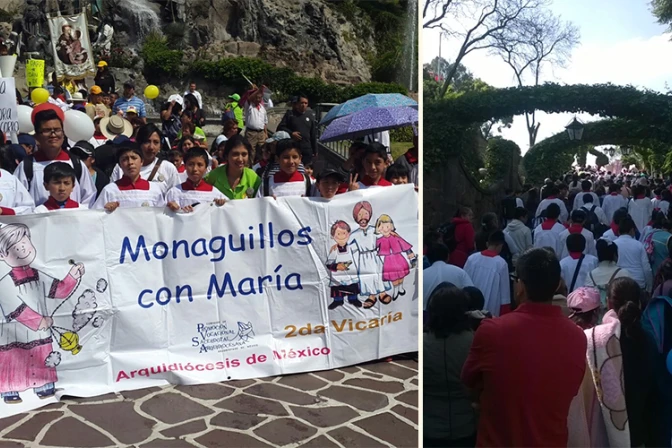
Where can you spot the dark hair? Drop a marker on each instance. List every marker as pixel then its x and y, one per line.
pixel 44 116
pixel 184 139
pixel 553 211
pixel 666 195
pixel 587 198
pixel 657 219
pixel 576 242
pixel 626 225
pixel 585 185
pixel 624 297
pixel 614 188
pixel 539 270
pixel 377 149
pixel 235 142
pixel 57 171
pixel 606 251
pixel 128 147
pixel 437 252
pixel 145 132
pixel 447 310
pixel 228 125
pixel 489 221
pixel 496 238
pixel 579 216
pixel 620 214
pixel 196 152
pixel 175 154
pixel 638 190
pixel 520 213
pixel 476 299
pixel 396 170
pixel 9 154
pixel 462 211
pixel 287 145
pixel 191 98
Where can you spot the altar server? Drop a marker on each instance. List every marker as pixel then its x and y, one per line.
pixel 14 198
pixel 131 190
pixel 552 199
pixel 576 266
pixel 576 227
pixel 194 190
pixel 547 234
pixel 490 273
pixel 59 181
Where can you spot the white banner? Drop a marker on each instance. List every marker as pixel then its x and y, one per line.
pixel 94 303
pixel 73 57
pixel 9 119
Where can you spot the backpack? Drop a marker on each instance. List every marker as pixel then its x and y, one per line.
pixel 448 233
pixel 509 206
pixel 28 167
pixel 593 224
pixel 267 185
pixel 229 113
pixel 603 290
pixel 657 322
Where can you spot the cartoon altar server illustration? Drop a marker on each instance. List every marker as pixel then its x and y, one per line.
pixel 392 248
pixel 340 262
pixel 25 334
pixel 369 264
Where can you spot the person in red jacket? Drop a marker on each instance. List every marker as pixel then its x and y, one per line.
pixel 464 237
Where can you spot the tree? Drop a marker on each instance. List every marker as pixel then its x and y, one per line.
pixel 439 66
pixel 535 40
pixel 662 9
pixel 488 18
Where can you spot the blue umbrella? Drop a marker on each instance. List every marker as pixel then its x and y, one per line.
pixel 367 101
pixel 369 121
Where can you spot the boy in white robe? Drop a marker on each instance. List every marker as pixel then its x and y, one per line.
pixel 547 234
pixel 131 190
pixel 194 190
pixel 640 208
pixel 576 227
pixel 59 181
pixel 341 265
pixel 490 273
pixel 576 266
pixel 613 201
pixel 586 185
pixel 14 198
pixel 552 199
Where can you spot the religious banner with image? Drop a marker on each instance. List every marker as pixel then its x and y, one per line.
pixel 73 57
pixel 95 302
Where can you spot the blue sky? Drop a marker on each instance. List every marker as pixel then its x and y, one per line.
pixel 621 43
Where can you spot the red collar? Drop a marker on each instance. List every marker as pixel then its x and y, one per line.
pixel 281 177
pixel 366 180
pixel 614 228
pixel 548 224
pixel 23 274
pixel 127 184
pixel 575 228
pixel 62 156
pixel 551 197
pixel 410 158
pixel 575 255
pixel 263 163
pixel 182 169
pixel 640 196
pixel 202 186
pixel 489 253
pixel 52 204
pixel 614 194
pixel 659 198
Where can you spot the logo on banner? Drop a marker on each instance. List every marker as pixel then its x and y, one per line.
pixel 218 337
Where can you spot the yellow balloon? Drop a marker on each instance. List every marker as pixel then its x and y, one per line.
pixel 151 92
pixel 39 95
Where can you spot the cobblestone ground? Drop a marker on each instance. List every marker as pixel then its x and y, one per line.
pixel 370 405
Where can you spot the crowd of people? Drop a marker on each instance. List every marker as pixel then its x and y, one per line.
pixel 131 163
pixel 552 324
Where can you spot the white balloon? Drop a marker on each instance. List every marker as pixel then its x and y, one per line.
pixel 25 121
pixel 78 126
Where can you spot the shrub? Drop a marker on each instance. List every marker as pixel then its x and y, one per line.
pixel 159 59
pixel 402 134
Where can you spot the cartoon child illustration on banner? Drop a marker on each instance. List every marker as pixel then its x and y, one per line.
pixel 369 264
pixel 26 357
pixel 344 279
pixel 391 248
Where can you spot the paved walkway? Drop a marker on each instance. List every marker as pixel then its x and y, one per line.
pixel 370 405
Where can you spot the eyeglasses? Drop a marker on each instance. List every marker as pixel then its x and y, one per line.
pixel 54 131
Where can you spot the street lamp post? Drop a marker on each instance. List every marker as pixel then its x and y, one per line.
pixel 575 129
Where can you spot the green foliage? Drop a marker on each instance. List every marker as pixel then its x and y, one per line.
pixel 283 81
pixel 402 134
pixel 121 57
pixel 500 157
pixel 159 59
pixel 662 9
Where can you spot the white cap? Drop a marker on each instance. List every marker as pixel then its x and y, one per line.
pixel 177 98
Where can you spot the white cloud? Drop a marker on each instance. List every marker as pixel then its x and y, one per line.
pixel 638 62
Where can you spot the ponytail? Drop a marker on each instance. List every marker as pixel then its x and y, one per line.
pixel 630 316
pixel 624 297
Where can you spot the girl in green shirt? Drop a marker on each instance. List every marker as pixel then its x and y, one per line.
pixel 234 178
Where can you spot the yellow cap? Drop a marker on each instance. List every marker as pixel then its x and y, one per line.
pixel 102 64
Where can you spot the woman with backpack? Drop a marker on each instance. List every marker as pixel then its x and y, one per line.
pixel 606 271
pixel 460 237
pixel 658 240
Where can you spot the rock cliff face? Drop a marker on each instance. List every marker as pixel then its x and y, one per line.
pixel 305 35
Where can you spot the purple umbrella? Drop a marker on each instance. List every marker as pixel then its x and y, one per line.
pixel 369 121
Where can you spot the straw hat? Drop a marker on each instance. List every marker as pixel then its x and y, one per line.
pixel 114 126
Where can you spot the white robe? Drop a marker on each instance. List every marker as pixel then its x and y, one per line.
pixel 42 209
pixel 543 205
pixel 190 197
pixel 640 210
pixel 14 195
pixel 568 267
pixel 491 276
pixel 612 203
pixel 549 238
pixel 343 278
pixel 578 199
pixel 166 176
pixel 438 273
pixel 590 243
pixel 369 264
pixel 131 198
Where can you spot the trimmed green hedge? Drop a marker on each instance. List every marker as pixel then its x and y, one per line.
pixel 499 157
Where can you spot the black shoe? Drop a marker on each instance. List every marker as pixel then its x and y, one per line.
pixel 356 303
pixel 335 304
pixel 402 292
pixel 13 399
pixel 46 393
